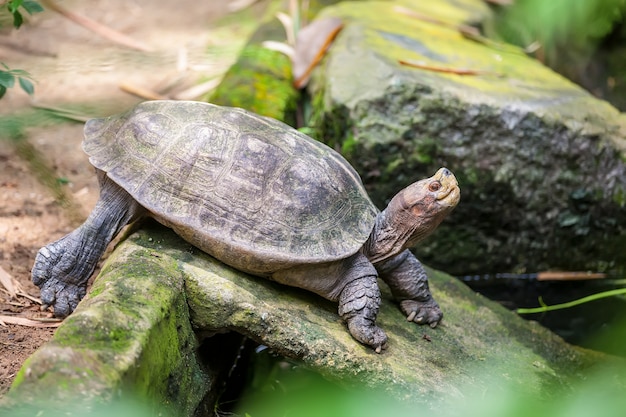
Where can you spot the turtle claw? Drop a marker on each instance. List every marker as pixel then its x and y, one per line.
pixel 368 333
pixel 62 296
pixel 380 348
pixel 63 283
pixel 422 312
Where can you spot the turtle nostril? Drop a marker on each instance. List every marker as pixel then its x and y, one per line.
pixel 446 172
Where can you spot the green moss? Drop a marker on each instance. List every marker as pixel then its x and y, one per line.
pixel 425 151
pixel 391 167
pixel 260 81
pixel 619 198
pixel 132 331
pixel 117 332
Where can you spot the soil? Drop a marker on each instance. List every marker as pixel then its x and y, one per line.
pixel 45 197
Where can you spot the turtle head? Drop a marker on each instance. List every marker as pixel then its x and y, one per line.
pixel 431 197
pixel 416 211
pixel 412 215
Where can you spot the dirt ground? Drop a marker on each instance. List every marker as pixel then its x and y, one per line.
pixel 188 41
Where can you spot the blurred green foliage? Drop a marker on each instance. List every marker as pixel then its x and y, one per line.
pixel 294 391
pixel 15 7
pixel 121 407
pixel 562 29
pixel 8 76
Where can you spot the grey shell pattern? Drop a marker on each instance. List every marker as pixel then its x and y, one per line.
pixel 240 186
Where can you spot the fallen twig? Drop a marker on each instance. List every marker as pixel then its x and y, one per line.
pixel 96 27
pixel 21 321
pixel 448 70
pixel 569 275
pixel 64 113
pixel 141 92
pixel 475 36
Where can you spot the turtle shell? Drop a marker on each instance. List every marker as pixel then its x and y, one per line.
pixel 249 190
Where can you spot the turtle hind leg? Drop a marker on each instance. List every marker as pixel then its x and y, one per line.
pixel 62 268
pixel 359 303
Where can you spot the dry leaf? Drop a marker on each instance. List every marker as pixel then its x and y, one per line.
pixel 7 282
pixel 311 44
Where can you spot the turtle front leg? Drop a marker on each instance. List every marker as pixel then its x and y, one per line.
pixel 62 268
pixel 359 303
pixel 407 279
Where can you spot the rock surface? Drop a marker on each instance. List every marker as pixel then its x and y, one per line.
pixel 130 337
pixel 540 162
pixel 133 331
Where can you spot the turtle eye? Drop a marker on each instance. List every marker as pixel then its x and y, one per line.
pixel 434 186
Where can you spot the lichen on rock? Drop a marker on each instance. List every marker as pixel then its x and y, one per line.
pixel 540 162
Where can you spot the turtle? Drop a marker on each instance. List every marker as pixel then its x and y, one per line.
pixel 259 196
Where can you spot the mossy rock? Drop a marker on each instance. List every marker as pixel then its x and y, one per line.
pixel 260 81
pixel 479 345
pixel 130 340
pixel 132 337
pixel 540 162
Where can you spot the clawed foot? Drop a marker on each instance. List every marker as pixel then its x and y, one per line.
pixel 62 284
pixel 422 312
pixel 62 296
pixel 366 332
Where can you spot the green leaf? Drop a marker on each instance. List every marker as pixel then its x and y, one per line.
pixel 27 86
pixel 20 73
pixel 3 90
pixel 17 19
pixel 32 6
pixel 7 80
pixel 13 5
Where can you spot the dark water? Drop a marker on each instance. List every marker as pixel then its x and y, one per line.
pixel 598 325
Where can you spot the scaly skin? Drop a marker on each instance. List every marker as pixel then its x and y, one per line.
pixel 359 303
pixel 62 268
pixel 408 282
